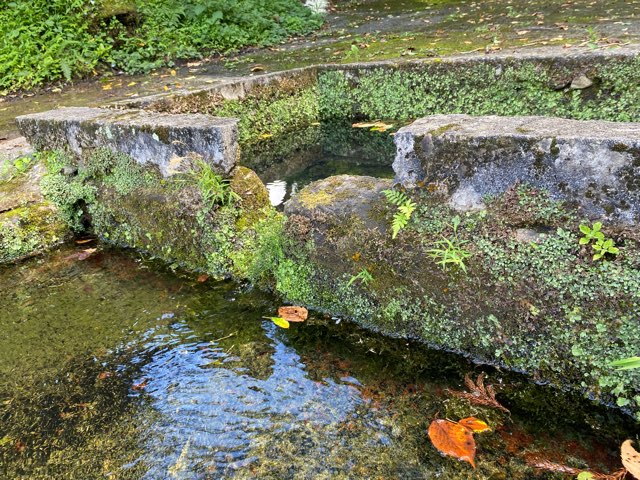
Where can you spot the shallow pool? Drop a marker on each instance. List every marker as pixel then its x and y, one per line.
pixel 111 367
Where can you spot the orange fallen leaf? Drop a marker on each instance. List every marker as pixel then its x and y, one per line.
pixel 453 439
pixel 475 425
pixel 630 459
pixel 293 314
pixel 203 278
pixel 104 375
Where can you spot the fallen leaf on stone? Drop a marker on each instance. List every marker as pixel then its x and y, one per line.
pixel 258 68
pixel 82 241
pixel 475 425
pixel 630 459
pixel 173 73
pixel 293 314
pixel 281 322
pixel 108 86
pixel 203 278
pixel 453 439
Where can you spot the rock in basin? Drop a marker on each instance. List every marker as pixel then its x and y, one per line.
pixel 593 164
pixel 154 138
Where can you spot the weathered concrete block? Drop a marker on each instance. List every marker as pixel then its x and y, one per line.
pixel 154 138
pixel 592 164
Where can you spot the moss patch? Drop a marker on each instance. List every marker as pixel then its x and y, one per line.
pixel 28 230
pixel 509 87
pixel 131 205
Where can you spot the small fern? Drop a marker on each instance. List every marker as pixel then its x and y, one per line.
pixel 406 207
pixel 395 197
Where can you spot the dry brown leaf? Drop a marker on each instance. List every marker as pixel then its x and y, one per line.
pixel 293 314
pixel 475 425
pixel 453 439
pixel 203 278
pixel 630 458
pixel 543 464
pixel 554 467
pixel 479 394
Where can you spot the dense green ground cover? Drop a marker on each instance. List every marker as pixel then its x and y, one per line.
pixel 47 40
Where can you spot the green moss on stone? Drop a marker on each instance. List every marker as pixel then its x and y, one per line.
pixel 31 229
pixel 516 87
pixel 545 308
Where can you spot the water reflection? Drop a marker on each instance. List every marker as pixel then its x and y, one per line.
pixel 213 408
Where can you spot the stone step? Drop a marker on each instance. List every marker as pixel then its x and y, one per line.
pixel 593 164
pixel 152 138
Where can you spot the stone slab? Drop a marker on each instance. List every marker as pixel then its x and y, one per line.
pixel 151 138
pixel 594 164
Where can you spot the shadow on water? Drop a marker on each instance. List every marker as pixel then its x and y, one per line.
pixel 110 367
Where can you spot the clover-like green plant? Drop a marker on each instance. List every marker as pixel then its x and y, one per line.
pixel 405 208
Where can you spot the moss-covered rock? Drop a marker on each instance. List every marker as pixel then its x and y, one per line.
pixel 173 219
pixel 29 224
pixel 546 308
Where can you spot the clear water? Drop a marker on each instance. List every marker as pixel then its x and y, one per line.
pixel 113 368
pixel 319 152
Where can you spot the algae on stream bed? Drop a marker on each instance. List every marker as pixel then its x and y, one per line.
pixel 110 367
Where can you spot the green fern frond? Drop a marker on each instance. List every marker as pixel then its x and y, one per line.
pixel 400 220
pixel 395 197
pixel 407 208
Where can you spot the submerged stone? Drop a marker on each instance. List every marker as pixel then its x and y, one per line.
pixel 159 139
pixel 594 164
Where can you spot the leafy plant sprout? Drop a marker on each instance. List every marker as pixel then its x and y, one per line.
pixel 602 245
pixel 214 189
pixel 626 363
pixel 405 206
pixel 451 251
pixel 363 276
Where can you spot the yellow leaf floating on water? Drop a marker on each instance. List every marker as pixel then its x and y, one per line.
pixel 281 322
pixel 475 425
